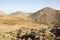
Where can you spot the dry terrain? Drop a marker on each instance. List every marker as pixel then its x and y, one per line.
pixel 47 17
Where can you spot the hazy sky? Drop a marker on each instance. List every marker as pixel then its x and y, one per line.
pixel 9 6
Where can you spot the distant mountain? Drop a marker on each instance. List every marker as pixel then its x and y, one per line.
pixel 20 14
pixel 46 16
pixel 2 13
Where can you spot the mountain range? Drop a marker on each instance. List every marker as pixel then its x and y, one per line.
pixel 40 19
pixel 47 16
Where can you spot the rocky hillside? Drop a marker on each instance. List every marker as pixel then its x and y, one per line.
pixel 46 16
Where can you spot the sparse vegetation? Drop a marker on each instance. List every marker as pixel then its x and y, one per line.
pixel 42 19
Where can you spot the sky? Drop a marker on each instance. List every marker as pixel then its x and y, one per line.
pixel 10 6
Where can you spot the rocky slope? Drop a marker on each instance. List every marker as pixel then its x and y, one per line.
pixel 46 16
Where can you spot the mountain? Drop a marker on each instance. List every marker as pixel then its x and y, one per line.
pixel 20 14
pixel 46 15
pixel 2 13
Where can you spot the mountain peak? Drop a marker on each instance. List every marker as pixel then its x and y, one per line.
pixel 45 15
pixel 48 8
pixel 17 12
